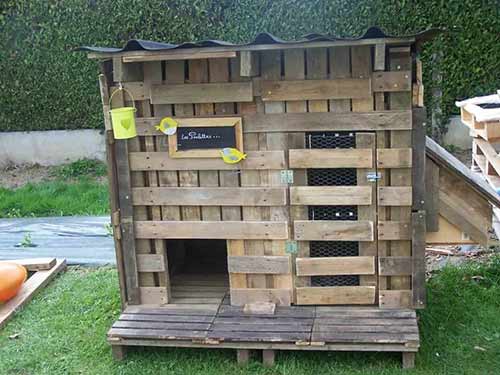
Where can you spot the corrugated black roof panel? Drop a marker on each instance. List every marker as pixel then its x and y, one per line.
pixel 260 39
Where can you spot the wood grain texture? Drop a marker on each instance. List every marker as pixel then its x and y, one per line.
pixel 202 93
pixel 331 158
pixel 394 157
pixel 259 264
pixel 212 229
pixel 333 230
pixel 336 295
pixel 394 230
pixel 331 195
pixel 394 266
pixel 281 297
pixel 395 195
pixel 319 266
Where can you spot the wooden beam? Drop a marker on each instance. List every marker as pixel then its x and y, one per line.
pixel 197 55
pixel 234 230
pixel 206 196
pixel 395 299
pixel 150 263
pixel 34 264
pixel 394 230
pixel 249 64
pixel 259 264
pixel 322 266
pixel 418 259
pixel 394 81
pixel 394 195
pixel 257 160
pixel 330 195
pixel 303 122
pixel 394 157
pixel 202 93
pixel 336 295
pixel 395 266
pixel 344 230
pixel 331 158
pixel 340 88
pixel 281 297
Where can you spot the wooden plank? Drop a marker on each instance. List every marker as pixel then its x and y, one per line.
pixel 126 225
pixel 367 212
pixel 448 234
pixel 356 265
pixel 330 195
pixel 394 266
pixel 153 295
pixel 395 195
pixel 37 281
pixel 34 264
pixel 317 69
pixel 394 158
pixel 209 196
pixel 361 68
pixel 431 195
pixel 340 67
pixel 202 93
pixel 331 158
pixel 342 230
pixel 212 229
pixel 394 230
pixel 341 88
pixel 336 295
pixel 393 299
pixel 302 122
pixel 363 337
pixel 162 325
pixel 379 61
pixel 418 158
pixel 418 259
pixel 198 55
pixel 395 81
pixel 281 297
pixel 150 263
pixel 259 264
pixel 257 160
pixel 249 64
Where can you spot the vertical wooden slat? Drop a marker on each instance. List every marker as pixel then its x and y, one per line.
pixel 271 70
pixel 400 59
pixel 418 259
pixel 340 67
pixel 418 156
pixel 295 70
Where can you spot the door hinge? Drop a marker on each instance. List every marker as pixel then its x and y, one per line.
pixel 291 247
pixel 373 176
pixel 287 176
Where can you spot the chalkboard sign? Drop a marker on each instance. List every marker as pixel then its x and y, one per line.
pixel 200 137
pixel 190 138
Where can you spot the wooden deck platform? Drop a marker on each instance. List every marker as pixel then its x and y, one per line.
pixel 289 328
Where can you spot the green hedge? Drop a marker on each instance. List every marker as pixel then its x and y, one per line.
pixel 43 85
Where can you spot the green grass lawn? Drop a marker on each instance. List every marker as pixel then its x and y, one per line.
pixel 63 332
pixel 73 189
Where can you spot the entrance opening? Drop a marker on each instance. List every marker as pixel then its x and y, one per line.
pixel 198 271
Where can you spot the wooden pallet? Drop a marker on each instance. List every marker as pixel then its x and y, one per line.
pixel 325 328
pixel 44 271
pixel 488 130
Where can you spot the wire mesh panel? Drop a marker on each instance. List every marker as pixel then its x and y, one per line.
pixel 332 177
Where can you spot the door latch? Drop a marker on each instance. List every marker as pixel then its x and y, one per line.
pixel 287 176
pixel 373 176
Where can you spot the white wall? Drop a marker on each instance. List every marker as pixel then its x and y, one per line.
pixel 458 134
pixel 51 147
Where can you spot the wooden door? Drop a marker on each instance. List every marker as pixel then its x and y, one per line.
pixel 337 247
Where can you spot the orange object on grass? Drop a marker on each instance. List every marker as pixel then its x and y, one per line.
pixel 12 277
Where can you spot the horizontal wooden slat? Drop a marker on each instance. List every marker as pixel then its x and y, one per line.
pixel 153 295
pixel 331 195
pixel 205 196
pixel 331 158
pixel 150 263
pixel 394 157
pixel 355 265
pixel 179 56
pixel 391 81
pixel 33 264
pixel 150 161
pixel 202 93
pixel 259 264
pixel 232 230
pixel 394 266
pixel 394 230
pixel 395 196
pixel 342 88
pixel 336 295
pixel 240 297
pixel 342 230
pixel 393 299
pixel 302 122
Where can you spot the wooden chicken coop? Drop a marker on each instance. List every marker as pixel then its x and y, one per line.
pixel 315 240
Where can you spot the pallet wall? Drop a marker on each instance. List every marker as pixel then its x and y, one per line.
pixel 283 95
